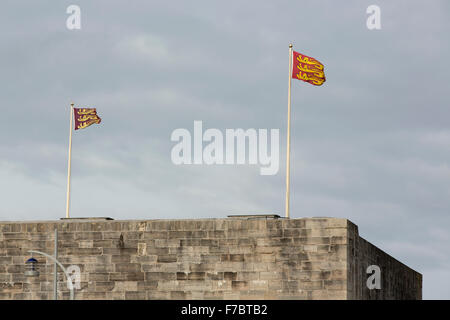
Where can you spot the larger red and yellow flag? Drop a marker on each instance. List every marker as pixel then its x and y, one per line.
pixel 307 69
pixel 84 117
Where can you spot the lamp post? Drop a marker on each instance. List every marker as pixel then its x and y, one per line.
pixel 33 272
pixel 36 273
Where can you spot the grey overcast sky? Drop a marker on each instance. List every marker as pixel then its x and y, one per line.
pixel 371 145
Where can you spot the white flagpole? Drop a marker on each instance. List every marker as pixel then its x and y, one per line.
pixel 288 144
pixel 70 160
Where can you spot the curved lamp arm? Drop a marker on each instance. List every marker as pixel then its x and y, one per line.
pixel 69 279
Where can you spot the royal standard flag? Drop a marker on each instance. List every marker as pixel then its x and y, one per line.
pixel 307 69
pixel 84 117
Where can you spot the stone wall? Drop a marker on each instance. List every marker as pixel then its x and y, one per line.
pixel 397 280
pixel 310 258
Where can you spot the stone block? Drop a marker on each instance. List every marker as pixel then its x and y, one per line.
pixel 15 268
pixel 160 267
pixel 212 295
pixel 125 286
pixel 157 251
pixel 275 285
pixel 170 285
pixel 134 235
pixel 216 234
pixel 230 266
pixel 182 275
pixel 127 267
pixel 111 235
pixel 290 285
pixel 239 285
pixel 335 284
pixel 196 275
pixel 271 275
pixel 73 251
pixel 167 243
pixel 311 285
pixel 104 243
pixel 115 295
pixel 265 249
pixel 157 276
pixel 118 276
pixel 158 295
pixel 147 259
pixel 167 258
pixel 121 259
pixel 98 276
pixel 338 240
pixel 179 295
pixel 252 294
pixel 241 249
pixel 19 277
pixel 328 295
pixel 191 258
pixel 22 296
pixel 293 223
pixel 18 236
pixel 93 295
pixel 6 295
pixel 338 223
pixel 150 235
pixel 99 268
pixel 247 276
pixel 135 295
pixel 86 243
pixel 337 232
pixel 20 243
pixel 104 285
pixel 338 275
pixel 208 258
pixel 316 223
pixel 231 295
pixel 261 266
pixel 6 260
pixel 230 275
pixel 192 285
pixel 296 233
pixel 258 285
pixel 5 277
pixel 147 285
pixel 215 275
pixel 88 236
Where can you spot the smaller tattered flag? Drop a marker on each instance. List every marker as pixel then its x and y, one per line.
pixel 84 117
pixel 307 69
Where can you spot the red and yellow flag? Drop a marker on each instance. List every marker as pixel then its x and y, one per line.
pixel 307 69
pixel 84 117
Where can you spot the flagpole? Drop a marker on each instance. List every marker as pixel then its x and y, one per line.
pixel 69 161
pixel 288 143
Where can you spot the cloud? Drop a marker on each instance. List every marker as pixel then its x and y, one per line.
pixel 148 47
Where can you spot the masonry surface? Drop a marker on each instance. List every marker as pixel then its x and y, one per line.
pixel 309 258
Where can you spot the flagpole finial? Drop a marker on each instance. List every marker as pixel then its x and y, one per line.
pixel 290 45
pixel 72 104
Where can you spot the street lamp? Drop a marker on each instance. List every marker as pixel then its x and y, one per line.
pixel 34 272
pixel 30 269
